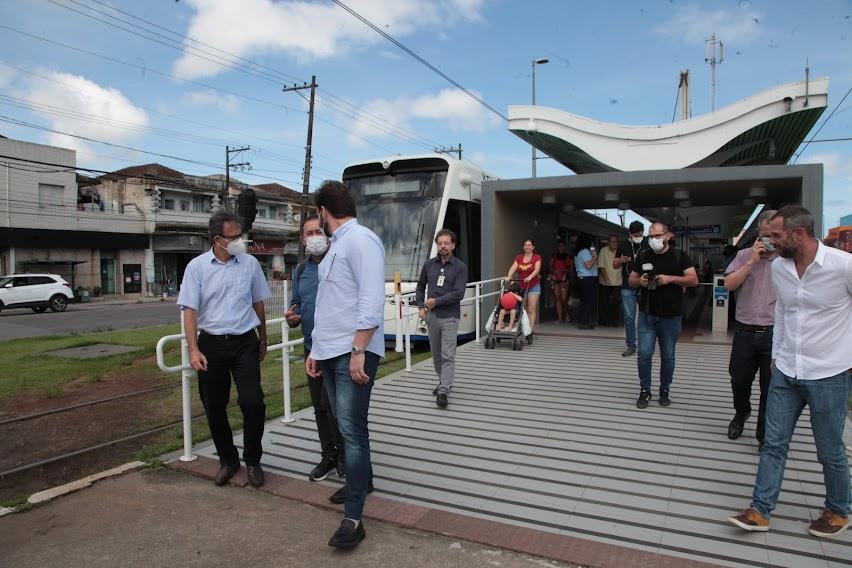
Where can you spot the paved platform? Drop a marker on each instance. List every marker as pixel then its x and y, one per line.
pixel 549 439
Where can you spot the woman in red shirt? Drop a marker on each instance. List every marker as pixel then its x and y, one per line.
pixel 528 267
pixel 561 264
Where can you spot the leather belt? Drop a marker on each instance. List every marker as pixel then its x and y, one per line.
pixel 227 336
pixel 755 328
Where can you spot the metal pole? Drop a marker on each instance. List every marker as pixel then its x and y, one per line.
pixel 477 308
pixel 185 378
pixel 285 362
pixel 227 174
pixel 533 104
pixel 397 297
pixel 407 338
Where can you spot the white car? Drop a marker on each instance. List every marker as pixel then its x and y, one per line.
pixel 36 291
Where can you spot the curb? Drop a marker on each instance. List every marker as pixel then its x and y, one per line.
pixel 54 492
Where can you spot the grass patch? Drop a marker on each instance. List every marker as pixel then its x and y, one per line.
pixel 24 365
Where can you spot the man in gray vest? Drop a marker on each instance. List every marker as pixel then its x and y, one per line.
pixel 443 279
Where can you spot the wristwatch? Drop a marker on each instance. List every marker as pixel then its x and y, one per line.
pixel 357 350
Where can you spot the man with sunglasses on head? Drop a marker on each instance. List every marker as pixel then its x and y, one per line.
pixel 662 272
pixel 222 298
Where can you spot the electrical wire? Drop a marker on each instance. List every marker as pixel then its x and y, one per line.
pixel 837 106
pixel 397 43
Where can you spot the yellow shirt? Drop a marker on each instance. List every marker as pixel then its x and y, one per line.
pixel 608 276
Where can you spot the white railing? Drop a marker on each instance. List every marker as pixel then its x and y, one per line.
pixel 286 346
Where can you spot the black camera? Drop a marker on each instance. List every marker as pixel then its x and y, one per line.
pixel 648 269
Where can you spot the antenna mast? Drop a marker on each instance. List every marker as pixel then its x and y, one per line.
pixel 711 58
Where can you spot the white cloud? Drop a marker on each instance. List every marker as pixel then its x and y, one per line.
pixel 692 25
pixel 7 75
pixel 308 30
pixel 78 94
pixel 834 164
pixel 456 111
pixel 223 102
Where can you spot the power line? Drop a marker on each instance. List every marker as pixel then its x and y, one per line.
pixel 452 81
pixel 837 106
pixel 393 129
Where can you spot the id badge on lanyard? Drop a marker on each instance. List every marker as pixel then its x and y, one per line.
pixel 440 281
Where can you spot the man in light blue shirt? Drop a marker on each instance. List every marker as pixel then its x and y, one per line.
pixel 222 298
pixel 586 265
pixel 348 342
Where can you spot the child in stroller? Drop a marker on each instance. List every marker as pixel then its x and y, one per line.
pixel 511 304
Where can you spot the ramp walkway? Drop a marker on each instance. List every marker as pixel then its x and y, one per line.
pixel 549 438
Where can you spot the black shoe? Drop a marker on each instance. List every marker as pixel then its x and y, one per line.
pixel 441 401
pixel 435 391
pixel 339 496
pixel 255 475
pixel 735 428
pixel 628 352
pixel 322 469
pixel 348 535
pixel 642 401
pixel 225 473
pixel 664 399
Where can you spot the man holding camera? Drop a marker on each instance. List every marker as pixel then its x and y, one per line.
pixel 662 272
pixel 751 273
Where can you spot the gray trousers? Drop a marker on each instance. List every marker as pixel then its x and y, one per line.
pixel 443 334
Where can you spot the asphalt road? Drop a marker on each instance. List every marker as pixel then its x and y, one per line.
pixel 83 318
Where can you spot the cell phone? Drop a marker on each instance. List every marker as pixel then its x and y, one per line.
pixel 768 244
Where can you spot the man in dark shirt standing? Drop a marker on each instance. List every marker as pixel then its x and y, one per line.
pixel 443 279
pixel 303 301
pixel 663 272
pixel 625 256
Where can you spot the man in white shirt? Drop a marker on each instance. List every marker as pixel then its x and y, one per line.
pixel 811 366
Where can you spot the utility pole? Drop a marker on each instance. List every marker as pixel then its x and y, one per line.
pixel 712 59
pixel 450 150
pixel 306 178
pixel 229 164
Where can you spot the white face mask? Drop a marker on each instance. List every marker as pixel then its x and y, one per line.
pixel 657 245
pixel 636 240
pixel 237 246
pixel 316 245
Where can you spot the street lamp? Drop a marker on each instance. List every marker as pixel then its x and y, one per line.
pixel 535 62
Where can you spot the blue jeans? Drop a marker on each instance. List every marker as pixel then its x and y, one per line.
pixel 666 330
pixel 629 301
pixel 827 401
pixel 350 404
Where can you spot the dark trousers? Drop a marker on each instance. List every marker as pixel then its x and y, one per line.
pixel 238 357
pixel 329 436
pixel 609 305
pixel 588 297
pixel 751 352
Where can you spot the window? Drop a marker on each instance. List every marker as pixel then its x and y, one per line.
pixel 34 280
pixel 50 195
pixel 261 212
pixel 200 204
pixel 184 205
pixel 169 204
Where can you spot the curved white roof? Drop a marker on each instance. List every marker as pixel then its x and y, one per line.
pixel 764 128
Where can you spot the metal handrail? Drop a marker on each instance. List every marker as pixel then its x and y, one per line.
pixel 286 346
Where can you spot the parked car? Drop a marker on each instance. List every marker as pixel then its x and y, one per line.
pixel 36 291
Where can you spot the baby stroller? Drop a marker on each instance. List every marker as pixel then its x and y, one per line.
pixel 515 334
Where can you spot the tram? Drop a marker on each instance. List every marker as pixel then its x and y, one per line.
pixel 406 200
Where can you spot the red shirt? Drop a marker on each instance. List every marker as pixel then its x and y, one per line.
pixel 527 268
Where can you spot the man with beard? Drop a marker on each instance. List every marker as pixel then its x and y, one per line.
pixel 626 255
pixel 811 367
pixel 443 279
pixel 750 272
pixel 663 272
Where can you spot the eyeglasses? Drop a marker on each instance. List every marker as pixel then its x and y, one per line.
pixel 660 236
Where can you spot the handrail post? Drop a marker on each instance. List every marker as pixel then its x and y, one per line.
pixel 185 378
pixel 407 332
pixel 397 298
pixel 285 362
pixel 476 308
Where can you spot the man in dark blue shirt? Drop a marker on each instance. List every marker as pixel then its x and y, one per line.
pixel 302 304
pixel 440 291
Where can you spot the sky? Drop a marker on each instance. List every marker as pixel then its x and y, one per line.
pixel 185 78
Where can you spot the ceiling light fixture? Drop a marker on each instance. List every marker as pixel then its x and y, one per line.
pixel 548 199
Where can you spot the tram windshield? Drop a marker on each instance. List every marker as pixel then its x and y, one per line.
pixel 402 209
